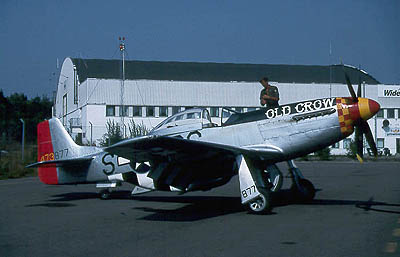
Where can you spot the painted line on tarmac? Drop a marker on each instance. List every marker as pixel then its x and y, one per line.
pixel 396 232
pixel 390 247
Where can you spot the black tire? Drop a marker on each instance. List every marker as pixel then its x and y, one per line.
pixel 306 193
pixel 261 204
pixel 105 194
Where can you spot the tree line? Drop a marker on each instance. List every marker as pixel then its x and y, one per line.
pixel 17 106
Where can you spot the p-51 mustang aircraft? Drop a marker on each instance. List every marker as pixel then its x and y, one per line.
pixel 187 152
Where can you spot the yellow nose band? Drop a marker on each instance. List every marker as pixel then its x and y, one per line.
pixel 365 111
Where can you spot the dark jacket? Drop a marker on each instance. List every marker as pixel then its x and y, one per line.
pixel 272 91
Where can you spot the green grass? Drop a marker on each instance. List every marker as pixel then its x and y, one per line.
pixel 11 164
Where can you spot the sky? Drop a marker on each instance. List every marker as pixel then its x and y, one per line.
pixel 34 34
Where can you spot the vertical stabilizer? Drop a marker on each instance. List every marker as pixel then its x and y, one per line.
pixel 54 143
pixel 62 142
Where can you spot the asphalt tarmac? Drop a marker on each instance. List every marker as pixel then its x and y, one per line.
pixel 356 212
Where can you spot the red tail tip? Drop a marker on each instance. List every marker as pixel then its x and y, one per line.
pixel 47 175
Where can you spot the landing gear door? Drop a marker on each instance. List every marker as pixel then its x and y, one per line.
pixel 248 188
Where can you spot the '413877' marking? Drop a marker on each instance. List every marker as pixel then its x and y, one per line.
pixel 54 156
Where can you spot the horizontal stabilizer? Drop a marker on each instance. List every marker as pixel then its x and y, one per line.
pixel 61 163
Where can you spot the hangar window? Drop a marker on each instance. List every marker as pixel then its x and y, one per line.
pixel 75 87
pixel 225 113
pixel 346 143
pixel 137 111
pixel 123 111
pixel 163 111
pixel 239 109
pixel 380 113
pixel 64 111
pixel 390 113
pixel 335 145
pixel 110 110
pixel 175 109
pixel 214 112
pixel 150 111
pixel 380 143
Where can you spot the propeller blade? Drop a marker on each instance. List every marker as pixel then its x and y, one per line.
pixel 359 87
pixel 350 87
pixel 368 135
pixel 359 143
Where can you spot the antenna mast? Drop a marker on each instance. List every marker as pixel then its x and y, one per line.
pixel 330 69
pixel 122 108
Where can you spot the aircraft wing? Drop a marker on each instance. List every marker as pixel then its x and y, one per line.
pixel 147 148
pixel 61 163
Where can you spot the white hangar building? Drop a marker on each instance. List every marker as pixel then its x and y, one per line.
pixel 91 92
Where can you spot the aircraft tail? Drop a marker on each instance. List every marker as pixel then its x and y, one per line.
pixel 54 146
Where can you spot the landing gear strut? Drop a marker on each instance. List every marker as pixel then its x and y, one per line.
pixel 254 189
pixel 303 189
pixel 273 177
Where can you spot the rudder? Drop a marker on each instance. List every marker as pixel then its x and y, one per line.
pixel 54 143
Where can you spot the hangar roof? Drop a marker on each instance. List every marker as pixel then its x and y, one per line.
pixel 219 72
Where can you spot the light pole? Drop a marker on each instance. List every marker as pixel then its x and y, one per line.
pixel 330 69
pixel 23 138
pixel 122 49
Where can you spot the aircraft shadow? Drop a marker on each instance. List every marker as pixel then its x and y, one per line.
pixel 285 197
pixel 203 207
pixel 75 196
pixel 195 208
pixel 369 205
pixel 51 205
pixel 61 199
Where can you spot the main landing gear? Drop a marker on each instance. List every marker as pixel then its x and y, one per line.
pixel 258 187
pixel 272 178
pixel 270 182
pixel 261 204
pixel 303 189
pixel 105 194
pixel 107 187
pixel 254 190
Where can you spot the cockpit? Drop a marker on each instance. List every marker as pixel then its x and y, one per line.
pixel 196 118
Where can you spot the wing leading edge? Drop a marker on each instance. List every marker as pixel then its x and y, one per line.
pixel 150 147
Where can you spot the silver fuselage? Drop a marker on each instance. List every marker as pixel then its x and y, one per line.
pixel 294 130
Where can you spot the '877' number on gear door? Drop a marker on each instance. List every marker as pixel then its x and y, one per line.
pixel 248 191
